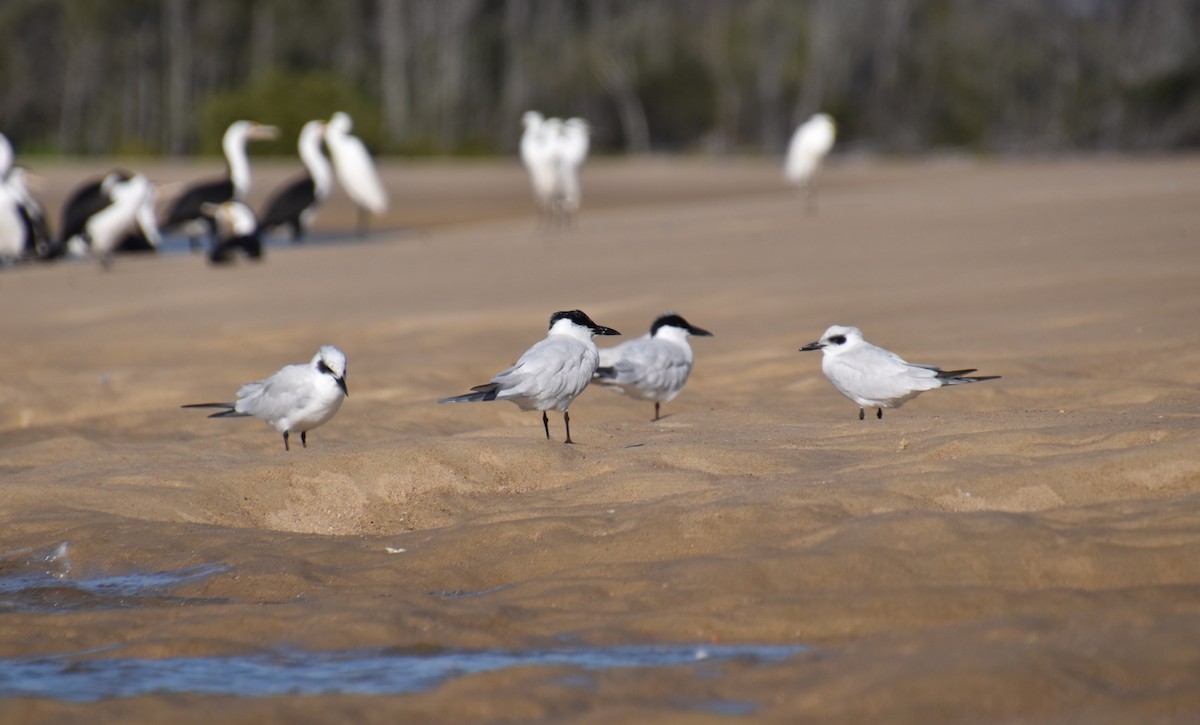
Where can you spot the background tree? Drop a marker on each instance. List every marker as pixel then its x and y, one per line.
pixel 726 76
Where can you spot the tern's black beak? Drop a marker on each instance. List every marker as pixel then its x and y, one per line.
pixel 698 331
pixel 812 346
pixel 342 384
pixel 602 330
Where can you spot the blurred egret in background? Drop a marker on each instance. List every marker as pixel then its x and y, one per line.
pixel 355 170
pixel 573 145
pixel 809 146
pixel 537 154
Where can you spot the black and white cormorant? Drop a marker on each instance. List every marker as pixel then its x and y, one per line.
pixel 295 204
pixel 107 228
pixel 187 210
pixel 23 230
pixel 236 229
pixel 94 195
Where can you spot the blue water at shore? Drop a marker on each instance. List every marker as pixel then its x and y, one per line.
pixel 355 672
pixel 43 582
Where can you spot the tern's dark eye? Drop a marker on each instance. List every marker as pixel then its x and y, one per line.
pixel 322 367
pixel 838 339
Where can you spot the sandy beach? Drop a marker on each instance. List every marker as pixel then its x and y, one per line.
pixel 1025 549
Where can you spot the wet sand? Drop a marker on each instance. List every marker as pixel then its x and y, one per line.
pixel 1017 550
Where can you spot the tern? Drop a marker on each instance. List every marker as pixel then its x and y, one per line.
pixel 878 378
pixel 296 399
pixel 550 374
pixel 654 366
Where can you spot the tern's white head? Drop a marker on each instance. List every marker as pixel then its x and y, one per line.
pixel 331 361
pixel 836 340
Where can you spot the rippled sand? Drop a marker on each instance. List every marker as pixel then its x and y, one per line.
pixel 1022 549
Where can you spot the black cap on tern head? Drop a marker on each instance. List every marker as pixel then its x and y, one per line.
pixel 674 320
pixel 581 319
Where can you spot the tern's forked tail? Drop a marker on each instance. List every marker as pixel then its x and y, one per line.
pixel 226 412
pixel 957 377
pixel 481 394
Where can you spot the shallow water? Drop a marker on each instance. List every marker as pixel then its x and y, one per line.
pixel 43 582
pixel 356 672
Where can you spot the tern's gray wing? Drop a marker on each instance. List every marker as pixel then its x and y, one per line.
pixel 870 375
pixel 656 369
pixel 275 397
pixel 550 374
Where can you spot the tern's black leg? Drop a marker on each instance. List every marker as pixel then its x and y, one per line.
pixel 546 424
pixel 862 414
pixel 879 413
pixel 304 438
pixel 362 222
pixel 656 410
pixel 285 442
pixel 567 421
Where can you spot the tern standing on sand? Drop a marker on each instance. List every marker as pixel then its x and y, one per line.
pixel 296 399
pixel 878 378
pixel 550 374
pixel 654 366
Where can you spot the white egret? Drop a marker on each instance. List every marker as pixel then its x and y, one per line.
pixel 537 154
pixel 355 170
pixel 809 146
pixel 572 151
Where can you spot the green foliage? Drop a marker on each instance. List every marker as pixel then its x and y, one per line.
pixel 680 102
pixel 1167 92
pixel 287 100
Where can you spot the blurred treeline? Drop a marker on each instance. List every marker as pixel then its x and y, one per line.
pixel 454 76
